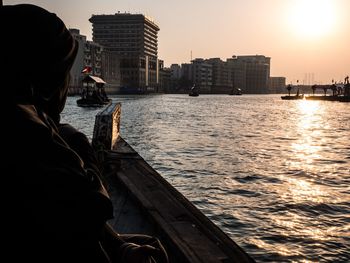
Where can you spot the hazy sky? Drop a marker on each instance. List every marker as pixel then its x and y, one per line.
pixel 306 39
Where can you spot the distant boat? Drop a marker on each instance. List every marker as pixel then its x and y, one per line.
pixel 93 93
pixel 328 98
pixel 295 97
pixel 193 92
pixel 235 91
pixel 341 92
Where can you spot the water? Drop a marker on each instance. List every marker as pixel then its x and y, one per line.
pixel 273 174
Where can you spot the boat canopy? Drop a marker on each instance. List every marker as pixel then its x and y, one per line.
pixel 94 79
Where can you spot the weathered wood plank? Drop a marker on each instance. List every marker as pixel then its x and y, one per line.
pixel 107 127
pixel 146 203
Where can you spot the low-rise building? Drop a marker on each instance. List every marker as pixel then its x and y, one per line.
pixel 202 75
pixel 277 85
pixel 89 56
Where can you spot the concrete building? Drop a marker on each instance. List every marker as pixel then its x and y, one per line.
pixel 175 71
pixel 186 80
pixel 222 76
pixel 93 58
pixel 111 71
pixel 165 80
pixel 202 75
pixel 175 78
pixel 78 65
pixel 89 55
pixel 134 38
pixel 277 85
pixel 251 73
pixel 187 72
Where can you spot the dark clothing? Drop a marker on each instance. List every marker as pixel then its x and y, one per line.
pixel 55 207
pixel 59 207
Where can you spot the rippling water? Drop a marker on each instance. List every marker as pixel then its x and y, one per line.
pixel 273 174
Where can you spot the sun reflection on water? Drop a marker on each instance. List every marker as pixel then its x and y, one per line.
pixel 299 191
pixel 282 250
pixel 308 132
pixel 308 107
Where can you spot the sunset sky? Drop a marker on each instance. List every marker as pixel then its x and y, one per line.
pixel 306 39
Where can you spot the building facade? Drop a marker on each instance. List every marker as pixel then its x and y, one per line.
pixel 93 58
pixel 134 39
pixel 202 75
pixel 89 55
pixel 251 73
pixel 111 71
pixel 222 76
pixel 277 85
pixel 75 84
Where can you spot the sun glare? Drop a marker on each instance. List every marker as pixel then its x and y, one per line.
pixel 312 18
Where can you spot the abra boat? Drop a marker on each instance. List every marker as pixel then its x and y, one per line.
pixel 344 98
pixel 328 98
pixel 237 91
pixel 93 93
pixel 144 202
pixel 341 92
pixel 194 92
pixel 295 97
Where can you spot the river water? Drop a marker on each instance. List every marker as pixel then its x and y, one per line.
pixel 273 174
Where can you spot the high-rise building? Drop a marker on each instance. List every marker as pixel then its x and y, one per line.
pixel 133 38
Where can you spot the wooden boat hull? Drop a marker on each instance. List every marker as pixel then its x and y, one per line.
pixel 300 97
pixel 330 98
pixel 344 99
pixel 92 103
pixel 144 202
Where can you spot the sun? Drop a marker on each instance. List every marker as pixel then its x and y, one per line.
pixel 312 18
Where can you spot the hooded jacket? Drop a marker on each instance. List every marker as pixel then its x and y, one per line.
pixel 54 209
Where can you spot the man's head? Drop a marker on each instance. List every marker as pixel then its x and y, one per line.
pixel 37 53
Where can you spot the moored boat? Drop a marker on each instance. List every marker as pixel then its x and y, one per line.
pixel 295 97
pixel 344 98
pixel 340 92
pixel 321 97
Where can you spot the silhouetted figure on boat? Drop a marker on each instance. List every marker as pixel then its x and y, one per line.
pixel 289 88
pixel 194 91
pixel 93 92
pixel 55 207
pixel 347 86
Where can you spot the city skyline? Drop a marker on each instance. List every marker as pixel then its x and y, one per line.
pixel 307 40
